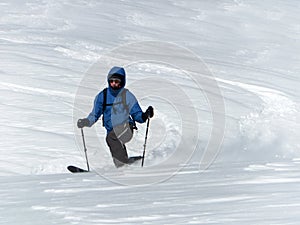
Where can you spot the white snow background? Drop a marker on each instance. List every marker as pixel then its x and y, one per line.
pixel 251 47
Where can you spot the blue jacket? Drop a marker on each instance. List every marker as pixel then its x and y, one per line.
pixel 115 112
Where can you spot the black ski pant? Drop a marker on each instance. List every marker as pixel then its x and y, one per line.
pixel 116 141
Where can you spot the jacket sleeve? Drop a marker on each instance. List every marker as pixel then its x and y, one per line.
pixel 134 108
pixel 97 109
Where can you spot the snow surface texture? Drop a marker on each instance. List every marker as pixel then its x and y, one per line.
pixel 51 49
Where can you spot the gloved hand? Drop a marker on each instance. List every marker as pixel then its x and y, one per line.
pixel 148 114
pixel 83 123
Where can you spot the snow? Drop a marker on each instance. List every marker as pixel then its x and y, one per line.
pixel 223 77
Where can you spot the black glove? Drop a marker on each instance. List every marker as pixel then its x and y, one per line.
pixel 83 123
pixel 148 114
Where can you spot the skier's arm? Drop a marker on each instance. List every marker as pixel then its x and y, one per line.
pixel 97 109
pixel 136 111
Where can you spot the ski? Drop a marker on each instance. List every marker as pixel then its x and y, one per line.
pixel 75 169
pixel 134 159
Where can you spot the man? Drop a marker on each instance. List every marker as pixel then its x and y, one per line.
pixel 120 111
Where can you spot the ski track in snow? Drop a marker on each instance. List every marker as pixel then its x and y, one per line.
pixel 251 48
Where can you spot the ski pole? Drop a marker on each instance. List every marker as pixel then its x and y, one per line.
pixel 85 150
pixel 146 137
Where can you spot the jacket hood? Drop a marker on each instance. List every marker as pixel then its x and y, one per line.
pixel 117 72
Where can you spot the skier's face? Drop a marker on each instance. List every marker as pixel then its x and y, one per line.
pixel 115 83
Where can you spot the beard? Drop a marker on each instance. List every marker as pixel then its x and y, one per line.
pixel 116 87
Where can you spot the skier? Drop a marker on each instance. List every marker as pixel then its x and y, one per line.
pixel 119 109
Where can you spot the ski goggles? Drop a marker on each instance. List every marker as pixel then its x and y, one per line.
pixel 115 80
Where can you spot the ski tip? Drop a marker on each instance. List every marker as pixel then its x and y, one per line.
pixel 75 169
pixel 134 159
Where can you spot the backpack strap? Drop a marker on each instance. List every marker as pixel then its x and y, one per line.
pixel 124 92
pixel 126 106
pixel 104 104
pixel 124 100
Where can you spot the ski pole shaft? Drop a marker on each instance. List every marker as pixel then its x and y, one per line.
pixel 146 137
pixel 85 150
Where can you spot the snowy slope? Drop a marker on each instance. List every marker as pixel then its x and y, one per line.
pixel 54 59
pixel 257 195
